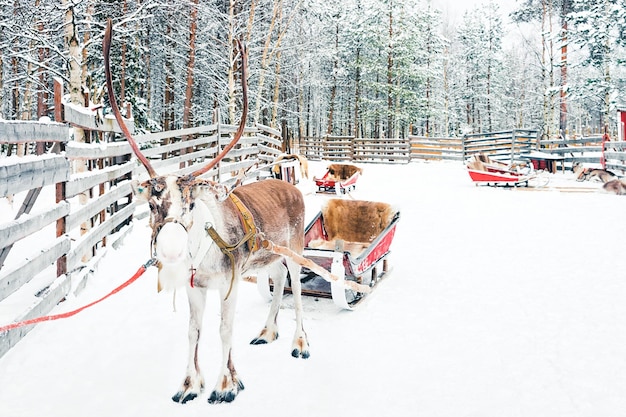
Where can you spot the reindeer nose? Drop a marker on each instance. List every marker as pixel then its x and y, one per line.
pixel 171 243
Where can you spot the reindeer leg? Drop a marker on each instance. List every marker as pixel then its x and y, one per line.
pixel 228 384
pixel 269 333
pixel 300 345
pixel 194 383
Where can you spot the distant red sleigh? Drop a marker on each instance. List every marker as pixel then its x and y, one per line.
pixel 339 178
pixel 486 171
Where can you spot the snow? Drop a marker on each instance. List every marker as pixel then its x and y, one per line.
pixel 500 302
pixel 7 161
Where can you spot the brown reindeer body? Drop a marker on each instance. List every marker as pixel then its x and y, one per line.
pixel 206 236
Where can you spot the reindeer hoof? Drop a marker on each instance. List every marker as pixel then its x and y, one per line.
pixel 180 397
pixel 267 336
pixel 296 353
pixel 217 397
pixel 300 348
pixel 192 386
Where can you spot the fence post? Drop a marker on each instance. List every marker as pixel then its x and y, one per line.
pixel 463 145
pixel 513 140
pixel 58 100
pixel 61 229
pixel 218 124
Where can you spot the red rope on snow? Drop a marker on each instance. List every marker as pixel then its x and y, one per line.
pixel 132 279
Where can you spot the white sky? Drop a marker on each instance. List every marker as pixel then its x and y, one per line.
pixel 456 8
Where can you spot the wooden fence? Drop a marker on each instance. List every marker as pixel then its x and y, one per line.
pixel 75 235
pixel 347 148
pixel 505 145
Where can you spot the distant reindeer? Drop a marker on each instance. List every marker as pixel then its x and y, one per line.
pixel 207 236
pixel 617 186
pixel 302 161
pixel 592 174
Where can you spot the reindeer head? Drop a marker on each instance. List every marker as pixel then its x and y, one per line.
pixel 173 198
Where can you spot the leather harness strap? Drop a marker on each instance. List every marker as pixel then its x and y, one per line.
pixel 248 223
pixel 250 238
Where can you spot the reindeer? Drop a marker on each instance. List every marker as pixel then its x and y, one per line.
pixel 206 236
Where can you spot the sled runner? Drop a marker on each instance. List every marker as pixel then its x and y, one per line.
pixel 486 171
pixel 351 239
pixel 339 178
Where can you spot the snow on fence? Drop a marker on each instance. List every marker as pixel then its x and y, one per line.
pixel 42 229
pixel 73 235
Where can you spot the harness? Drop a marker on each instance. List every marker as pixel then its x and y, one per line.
pixel 250 238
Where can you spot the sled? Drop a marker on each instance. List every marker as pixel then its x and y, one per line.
pixel 339 178
pixel 351 240
pixel 486 171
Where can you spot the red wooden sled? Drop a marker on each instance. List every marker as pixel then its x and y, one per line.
pixel 332 242
pixel 485 171
pixel 339 178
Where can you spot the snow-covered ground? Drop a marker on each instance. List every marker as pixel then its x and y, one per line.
pixel 500 303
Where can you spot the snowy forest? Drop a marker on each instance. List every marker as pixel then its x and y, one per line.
pixel 364 68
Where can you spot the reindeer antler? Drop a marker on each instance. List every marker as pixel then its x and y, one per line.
pixel 244 114
pixel 106 46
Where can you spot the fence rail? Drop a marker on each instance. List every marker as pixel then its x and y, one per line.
pixel 426 148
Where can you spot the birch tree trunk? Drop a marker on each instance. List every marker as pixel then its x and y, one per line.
pixel 76 94
pixel 250 20
pixel 274 123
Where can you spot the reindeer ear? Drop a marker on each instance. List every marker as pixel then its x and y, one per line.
pixel 221 192
pixel 208 189
pixel 142 191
